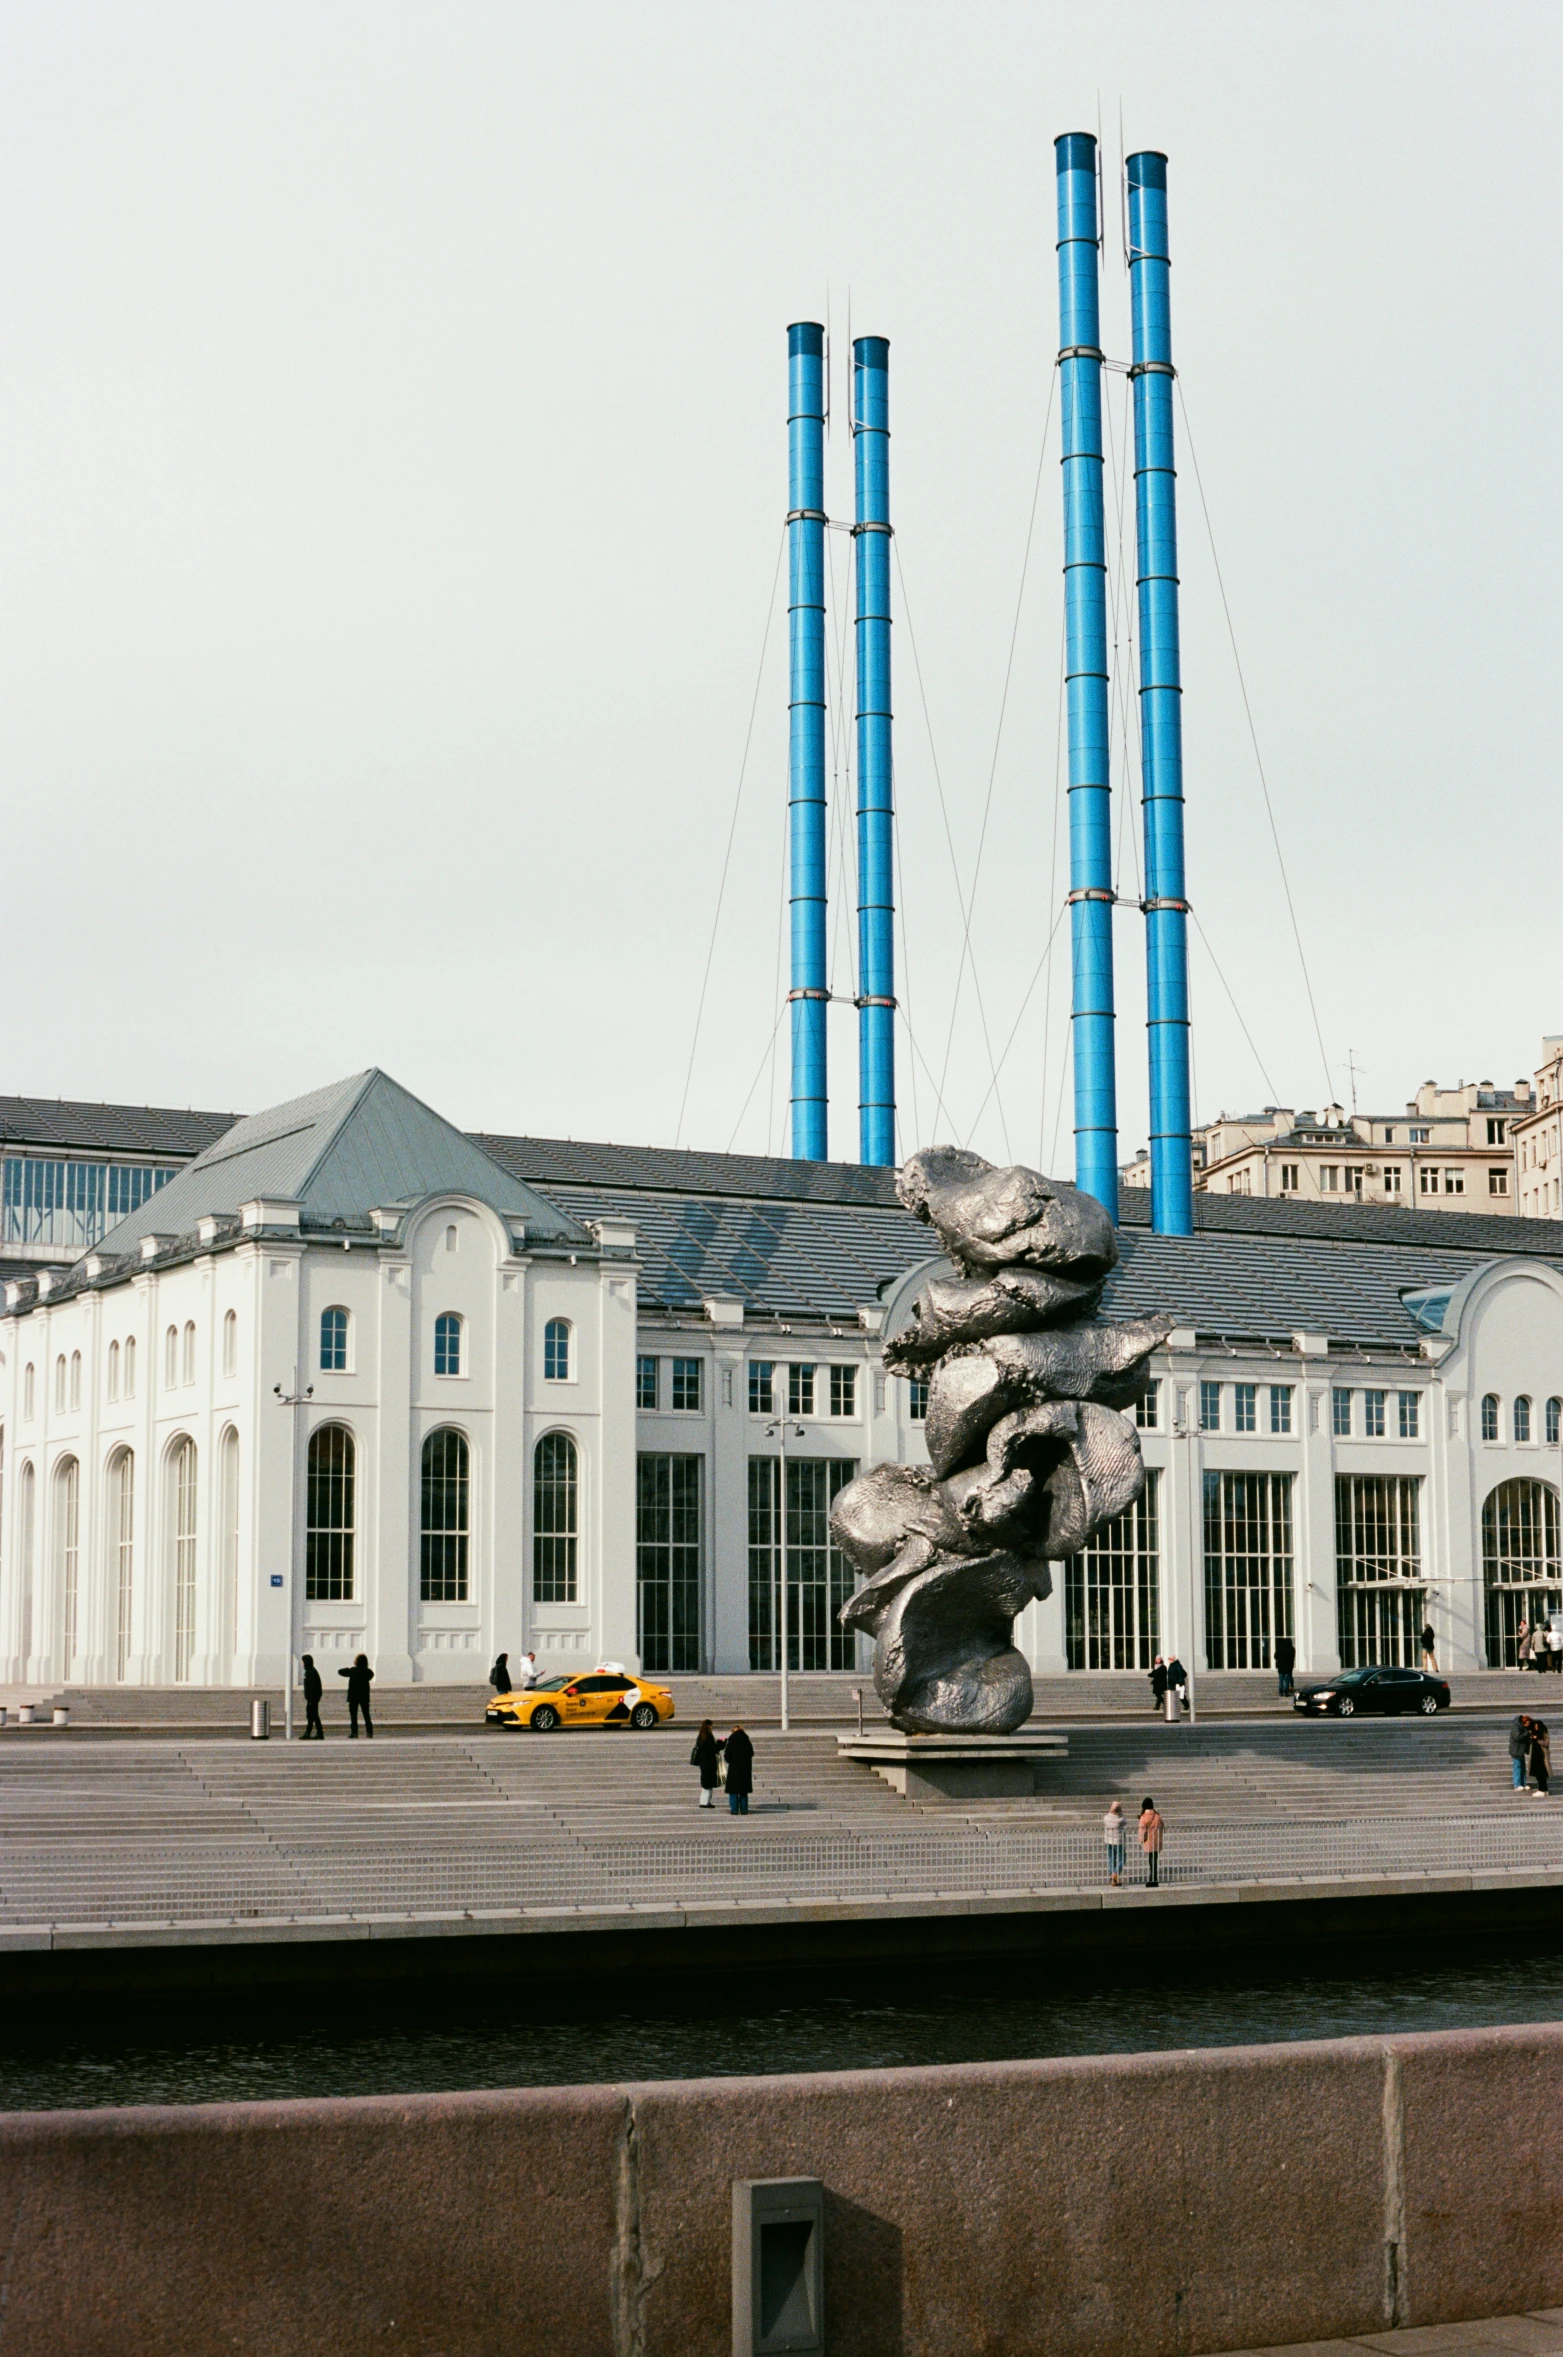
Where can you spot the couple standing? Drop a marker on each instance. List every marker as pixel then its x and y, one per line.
pixel 1152 1831
pixel 711 1753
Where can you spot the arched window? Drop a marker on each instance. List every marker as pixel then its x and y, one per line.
pixel 1490 1416
pixel 25 1528
pixel 1520 1568
pixel 67 1551
pixel 554 1519
pixel 333 1342
pixel 130 1366
pixel 556 1351
pixel 328 1525
pixel 447 1343
pixel 443 1518
pixel 27 1391
pixel 170 1358
pixel 75 1378
pixel 1554 1425
pixel 180 1526
pixel 228 1486
pixel 189 1366
pixel 1522 1418
pixel 452 1238
pixel 231 1342
pixel 121 1528
pixel 113 1370
pixel 59 1381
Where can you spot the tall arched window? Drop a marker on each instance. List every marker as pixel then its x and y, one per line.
pixel 333 1342
pixel 443 1517
pixel 59 1381
pixel 75 1378
pixel 555 1527
pixel 447 1343
pixel 231 1342
pixel 189 1365
pixel 26 1524
pixel 228 1492
pixel 1522 1418
pixel 1554 1425
pixel 121 1529
pixel 1520 1568
pixel 67 1552
pixel 556 1351
pixel 113 1370
pixel 170 1358
pixel 1490 1416
pixel 328 1524
pixel 180 1525
pixel 130 1366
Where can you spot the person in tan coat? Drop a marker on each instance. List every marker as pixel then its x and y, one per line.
pixel 1152 1828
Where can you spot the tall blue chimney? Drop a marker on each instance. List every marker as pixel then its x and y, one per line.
pixel 806 522
pixel 1085 666
pixel 875 775
pixel 1161 701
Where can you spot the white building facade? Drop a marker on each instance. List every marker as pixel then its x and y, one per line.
pixel 354 1381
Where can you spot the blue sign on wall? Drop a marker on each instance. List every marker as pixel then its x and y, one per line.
pixel 276 1579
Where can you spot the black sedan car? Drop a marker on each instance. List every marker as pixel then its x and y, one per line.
pixel 1374 1689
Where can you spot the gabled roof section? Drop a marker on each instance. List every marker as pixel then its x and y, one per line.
pixel 69 1127
pixel 340 1153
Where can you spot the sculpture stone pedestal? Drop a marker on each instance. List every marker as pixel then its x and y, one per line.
pixel 955 1767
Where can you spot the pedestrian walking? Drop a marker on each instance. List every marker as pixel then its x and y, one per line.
pixel 1555 1647
pixel 499 1675
pixel 1285 1663
pixel 312 1693
pixel 706 1755
pixel 738 1754
pixel 1112 1835
pixel 1519 1748
pixel 1153 1827
pixel 1158 1685
pixel 359 1680
pixel 1178 1680
pixel 526 1671
pixel 1540 1757
pixel 1429 1654
pixel 1522 1642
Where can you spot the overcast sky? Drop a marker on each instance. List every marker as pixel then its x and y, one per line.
pixel 392 472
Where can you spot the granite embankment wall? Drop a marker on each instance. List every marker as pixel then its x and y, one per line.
pixel 1149 2206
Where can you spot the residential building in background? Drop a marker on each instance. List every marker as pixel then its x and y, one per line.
pixel 1451 1149
pixel 1538 1139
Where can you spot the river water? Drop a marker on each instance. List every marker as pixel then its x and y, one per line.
pixel 443 2036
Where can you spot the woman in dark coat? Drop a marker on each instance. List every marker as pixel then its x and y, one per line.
pixel 739 1754
pixel 1540 1755
pixel 705 1756
pixel 499 1675
pixel 359 1680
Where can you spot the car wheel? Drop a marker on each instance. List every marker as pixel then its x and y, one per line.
pixel 1429 1706
pixel 544 1719
pixel 1345 1707
pixel 643 1715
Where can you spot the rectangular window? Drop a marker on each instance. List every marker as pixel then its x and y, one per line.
pixel 1329 1178
pixel 1244 1407
pixel 1147 1408
pixel 1410 1415
pixel 1427 1180
pixel 667 1561
pixel 917 1400
pixel 761 1372
pixel 686 1383
pixel 1392 1178
pixel 819 1577
pixel 800 1391
pixel 1248 1568
pixel 1373 1414
pixel 72 1204
pixel 1280 1407
pixel 1454 1181
pixel 1210 1407
pixel 1288 1178
pixel 1340 1412
pixel 843 1391
pixel 1380 1602
pixel 1419 1137
pixel 1497 1182
pixel 646 1383
pixel 1389 1136
pixel 1497 1133
pixel 1112 1618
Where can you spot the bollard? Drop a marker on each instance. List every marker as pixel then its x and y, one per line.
pixel 260 1720
pixel 1173 1712
pixel 62 1716
pixel 778 2266
pixel 24 1717
pixel 4 1713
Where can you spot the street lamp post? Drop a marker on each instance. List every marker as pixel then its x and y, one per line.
pixel 777 1430
pixel 294 1400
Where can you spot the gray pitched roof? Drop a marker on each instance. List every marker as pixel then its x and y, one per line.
pixel 159 1130
pixel 340 1153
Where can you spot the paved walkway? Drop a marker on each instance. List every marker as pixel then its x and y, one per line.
pixel 1537 2334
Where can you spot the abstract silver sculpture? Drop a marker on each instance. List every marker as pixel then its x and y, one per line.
pixel 1028 1454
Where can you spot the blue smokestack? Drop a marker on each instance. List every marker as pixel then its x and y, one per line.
pixel 1085 664
pixel 875 776
pixel 806 750
pixel 1161 701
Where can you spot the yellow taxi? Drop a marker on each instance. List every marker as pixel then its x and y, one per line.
pixel 596 1698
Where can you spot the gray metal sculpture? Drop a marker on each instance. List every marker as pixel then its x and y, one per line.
pixel 1028 1453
